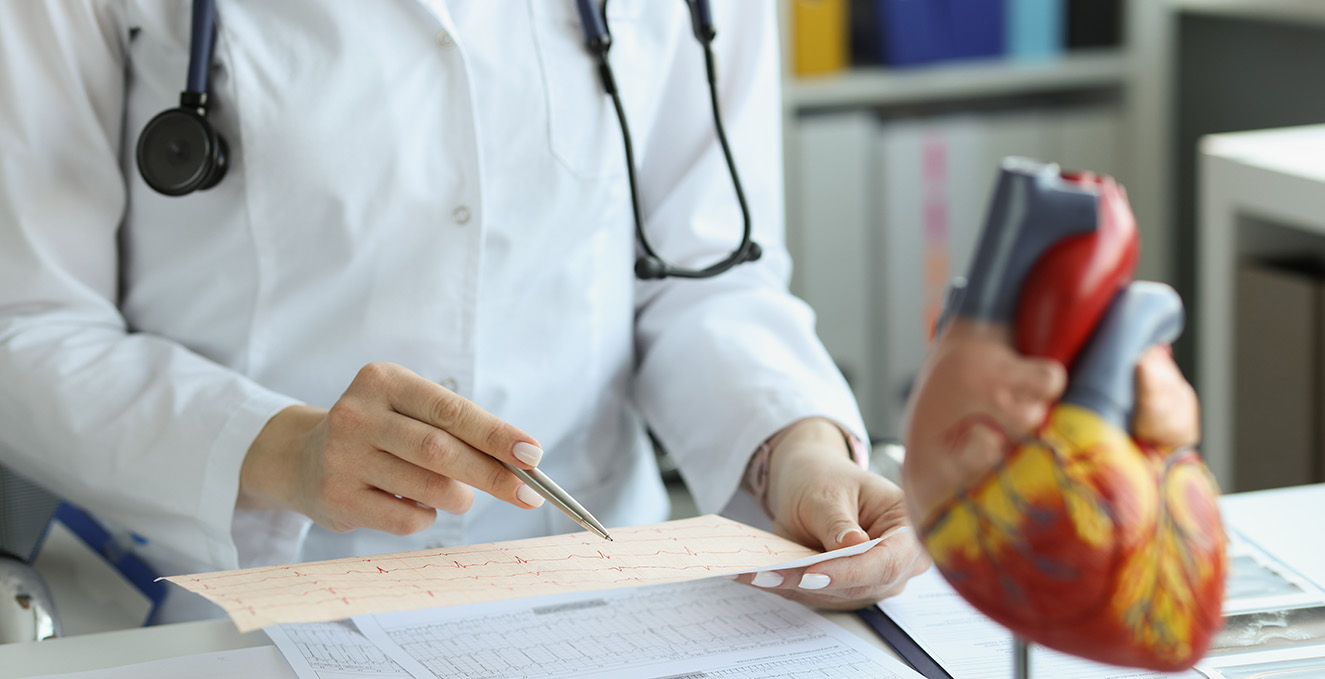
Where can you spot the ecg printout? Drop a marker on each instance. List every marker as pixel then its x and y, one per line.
pixel 333 650
pixel 710 629
pixel 321 591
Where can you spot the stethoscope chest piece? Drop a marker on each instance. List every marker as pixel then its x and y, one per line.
pixel 179 152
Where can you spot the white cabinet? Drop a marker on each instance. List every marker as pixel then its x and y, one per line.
pixel 1262 194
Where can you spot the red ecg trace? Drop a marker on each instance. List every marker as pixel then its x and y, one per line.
pixel 341 588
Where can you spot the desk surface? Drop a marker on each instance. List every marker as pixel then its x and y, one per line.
pixel 1291 151
pixel 1274 519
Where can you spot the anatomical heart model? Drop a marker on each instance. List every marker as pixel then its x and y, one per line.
pixel 1082 519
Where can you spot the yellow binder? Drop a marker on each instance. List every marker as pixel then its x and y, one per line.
pixel 819 33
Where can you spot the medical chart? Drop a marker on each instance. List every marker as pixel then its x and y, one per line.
pixel 969 645
pixel 1274 625
pixel 711 628
pixel 672 551
pixel 1274 620
pixel 333 650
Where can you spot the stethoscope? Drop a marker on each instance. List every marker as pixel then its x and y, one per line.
pixel 179 151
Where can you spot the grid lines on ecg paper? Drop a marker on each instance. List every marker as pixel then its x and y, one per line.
pixel 327 649
pixel 647 628
pixel 831 665
pixel 332 590
pixel 594 638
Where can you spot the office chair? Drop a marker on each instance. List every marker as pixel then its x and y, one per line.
pixel 27 611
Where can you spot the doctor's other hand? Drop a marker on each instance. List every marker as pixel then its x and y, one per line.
pixel 1167 413
pixel 818 497
pixel 391 451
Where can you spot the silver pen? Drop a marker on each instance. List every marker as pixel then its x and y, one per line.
pixel 559 498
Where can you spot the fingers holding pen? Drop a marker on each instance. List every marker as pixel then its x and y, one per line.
pixel 433 460
pixel 374 441
pixel 429 403
pixel 390 451
pixel 445 437
pixel 444 410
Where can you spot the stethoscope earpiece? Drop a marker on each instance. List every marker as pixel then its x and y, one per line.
pixel 179 152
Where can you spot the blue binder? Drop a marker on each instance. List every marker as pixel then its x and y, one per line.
pixel 913 32
pixel 1036 29
pixel 977 28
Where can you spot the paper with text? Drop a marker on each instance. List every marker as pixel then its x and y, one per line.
pixel 710 628
pixel 333 650
pixel 969 645
pixel 673 551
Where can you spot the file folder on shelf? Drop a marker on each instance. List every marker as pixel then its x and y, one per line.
pixel 913 32
pixel 818 36
pixel 1035 28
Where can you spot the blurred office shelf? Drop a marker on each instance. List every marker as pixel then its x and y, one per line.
pixel 1114 100
pixel 957 80
pixel 1138 74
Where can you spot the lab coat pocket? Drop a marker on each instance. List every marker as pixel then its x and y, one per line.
pixel 583 132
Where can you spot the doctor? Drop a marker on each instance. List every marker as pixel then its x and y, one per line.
pixel 420 261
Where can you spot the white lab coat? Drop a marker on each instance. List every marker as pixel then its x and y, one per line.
pixel 439 185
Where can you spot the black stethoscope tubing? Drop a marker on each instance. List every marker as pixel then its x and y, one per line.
pixel 179 152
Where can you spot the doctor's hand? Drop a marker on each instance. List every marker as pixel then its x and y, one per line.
pixel 820 498
pixel 1167 413
pixel 395 448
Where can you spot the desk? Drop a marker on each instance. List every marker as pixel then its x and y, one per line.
pixel 1246 512
pixel 1248 180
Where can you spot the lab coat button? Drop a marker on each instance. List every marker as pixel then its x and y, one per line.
pixel 461 215
pixel 450 384
pixel 445 40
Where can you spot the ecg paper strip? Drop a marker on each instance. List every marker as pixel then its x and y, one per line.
pixel 711 628
pixel 321 591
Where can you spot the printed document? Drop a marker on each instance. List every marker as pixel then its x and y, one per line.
pixel 711 628
pixel 1274 626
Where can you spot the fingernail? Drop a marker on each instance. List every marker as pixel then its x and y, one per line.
pixel 529 496
pixel 842 537
pixel 814 581
pixel 767 579
pixel 527 453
